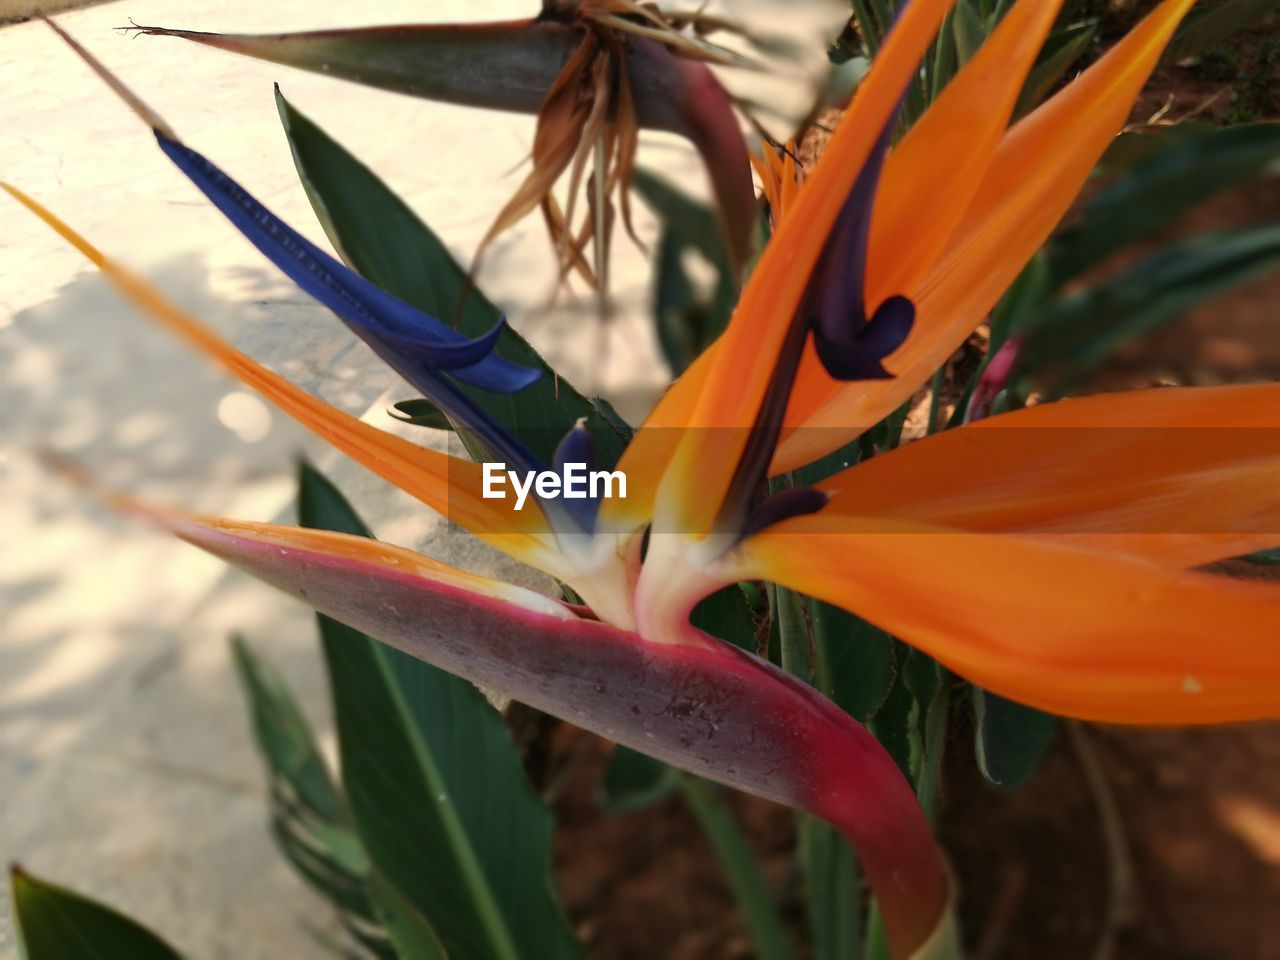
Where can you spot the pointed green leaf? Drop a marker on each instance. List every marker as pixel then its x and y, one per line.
pixel 309 821
pixel 968 31
pixel 689 220
pixel 680 318
pixel 54 923
pixel 832 882
pixel 421 413
pixel 1159 188
pixel 756 905
pixel 633 781
pixel 1079 331
pixel 1139 145
pixel 1009 739
pixel 436 786
pixel 686 321
pixel 1205 28
pixel 382 239
pixel 1061 50
pixel 284 736
pixel 912 721
pixel 858 660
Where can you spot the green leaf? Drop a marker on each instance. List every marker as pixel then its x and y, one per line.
pixel 857 662
pixel 284 736
pixel 1141 144
pixel 912 726
pixel 1061 50
pixel 928 683
pixel 633 781
pixel 866 12
pixel 1206 28
pixel 832 884
pixel 381 238
pixel 436 787
pixel 681 319
pixel 1268 557
pixel 912 722
pixel 409 932
pixel 421 413
pixel 942 67
pixel 54 923
pixel 309 821
pixel 1159 188
pixel 758 909
pixel 1009 739
pixel 798 655
pixel 692 222
pixel 686 322
pixel 967 30
pixel 1079 331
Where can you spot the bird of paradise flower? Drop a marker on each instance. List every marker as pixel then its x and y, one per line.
pixel 1045 580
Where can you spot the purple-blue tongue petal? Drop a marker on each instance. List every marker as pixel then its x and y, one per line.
pixel 783 505
pixel 834 306
pixel 454 357
pixel 374 315
pixel 415 345
pixel 885 333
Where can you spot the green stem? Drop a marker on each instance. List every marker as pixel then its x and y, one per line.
pixel 757 907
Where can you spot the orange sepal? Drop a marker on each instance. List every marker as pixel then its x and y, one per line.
pixel 697 478
pixel 447 484
pixel 1036 174
pixel 1181 476
pixel 1069 630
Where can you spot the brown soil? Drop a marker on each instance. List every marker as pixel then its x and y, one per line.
pixel 1196 877
pixel 1199 812
pixel 646 884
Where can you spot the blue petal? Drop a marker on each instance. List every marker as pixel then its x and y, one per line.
pixel 579 446
pixel 415 345
pixel 834 304
pixel 371 312
pixel 450 356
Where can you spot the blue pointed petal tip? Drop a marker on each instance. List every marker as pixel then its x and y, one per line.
pixel 578 446
pixel 387 323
